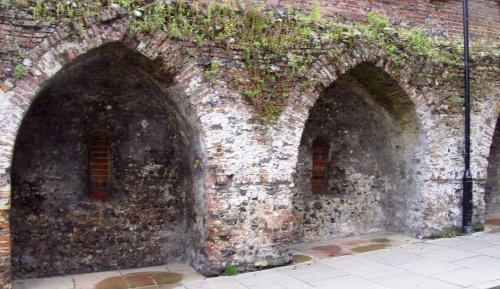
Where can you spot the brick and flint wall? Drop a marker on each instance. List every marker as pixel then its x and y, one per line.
pixel 243 201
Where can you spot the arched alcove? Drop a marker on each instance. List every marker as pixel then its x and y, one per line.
pixel 374 161
pixel 492 187
pixel 104 172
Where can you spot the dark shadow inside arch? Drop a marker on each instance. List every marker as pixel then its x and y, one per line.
pixel 374 161
pixel 492 187
pixel 104 173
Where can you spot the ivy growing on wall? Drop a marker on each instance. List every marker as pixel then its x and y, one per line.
pixel 277 48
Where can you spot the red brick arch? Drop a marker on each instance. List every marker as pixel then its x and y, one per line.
pixel 49 59
pixel 60 52
pixel 325 71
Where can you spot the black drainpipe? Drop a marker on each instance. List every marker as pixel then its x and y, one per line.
pixel 467 179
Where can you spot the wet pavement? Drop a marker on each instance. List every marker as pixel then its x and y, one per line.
pixel 374 261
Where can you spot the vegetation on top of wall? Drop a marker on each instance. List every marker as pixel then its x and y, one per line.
pixel 277 47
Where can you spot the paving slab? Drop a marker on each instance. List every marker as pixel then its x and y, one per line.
pixel 419 248
pixel 404 280
pixel 391 257
pixel 269 286
pixel 313 272
pixel 273 279
pixel 215 283
pixel 465 277
pixel 347 262
pixel 429 267
pixel 261 277
pixel 486 264
pixel 347 282
pixel 463 244
pixel 449 255
pixel 493 251
pixel 483 237
pixel 489 284
pixel 294 284
pixel 45 283
pixel 495 240
pixel 371 271
pixel 410 281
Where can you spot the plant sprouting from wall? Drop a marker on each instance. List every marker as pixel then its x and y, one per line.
pixel 231 271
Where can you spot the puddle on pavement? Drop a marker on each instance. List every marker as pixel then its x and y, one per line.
pixel 166 278
pixel 369 248
pixel 380 240
pixel 300 259
pixel 352 242
pixel 142 273
pixel 119 282
pixel 332 250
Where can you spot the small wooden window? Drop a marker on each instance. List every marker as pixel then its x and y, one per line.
pixel 319 180
pixel 100 167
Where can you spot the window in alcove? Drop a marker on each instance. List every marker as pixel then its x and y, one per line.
pixel 319 180
pixel 100 167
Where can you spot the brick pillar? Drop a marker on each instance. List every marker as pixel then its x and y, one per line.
pixel 5 249
pixel 5 244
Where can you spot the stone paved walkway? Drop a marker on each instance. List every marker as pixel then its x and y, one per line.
pixel 377 261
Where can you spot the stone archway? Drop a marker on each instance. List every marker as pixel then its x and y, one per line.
pixel 373 163
pixel 62 220
pixel 492 187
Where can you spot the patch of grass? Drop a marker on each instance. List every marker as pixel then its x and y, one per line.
pixel 19 71
pixel 306 32
pixel 231 271
pixel 449 234
pixel 252 94
pixel 376 21
pixel 210 74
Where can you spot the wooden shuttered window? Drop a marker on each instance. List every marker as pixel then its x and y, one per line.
pixel 100 167
pixel 319 180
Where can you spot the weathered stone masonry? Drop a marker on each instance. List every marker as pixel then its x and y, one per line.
pixel 199 177
pixel 374 162
pixel 492 185
pixel 149 215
